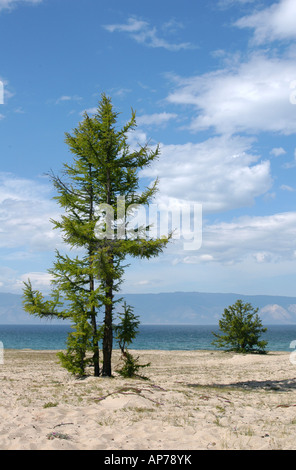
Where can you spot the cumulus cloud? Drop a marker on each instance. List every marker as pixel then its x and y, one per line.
pixel 38 279
pixel 276 22
pixel 220 173
pixel 13 281
pixel 277 151
pixel 251 96
pixel 26 233
pixel 25 211
pixel 263 239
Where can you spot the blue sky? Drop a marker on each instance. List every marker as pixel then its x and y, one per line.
pixel 214 83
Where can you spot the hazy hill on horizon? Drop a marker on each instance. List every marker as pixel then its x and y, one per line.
pixel 174 308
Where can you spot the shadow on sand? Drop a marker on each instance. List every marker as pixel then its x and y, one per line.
pixel 275 385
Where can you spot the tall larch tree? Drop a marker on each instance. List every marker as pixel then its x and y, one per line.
pixel 94 192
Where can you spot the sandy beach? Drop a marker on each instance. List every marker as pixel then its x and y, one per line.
pixel 191 400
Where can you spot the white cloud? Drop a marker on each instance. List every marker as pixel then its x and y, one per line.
pixel 291 164
pixel 66 98
pixel 10 4
pixel 251 96
pixel 278 151
pixel 137 138
pixel 143 33
pixel 26 233
pixel 285 187
pixel 144 282
pixel 219 173
pixel 6 91
pixel 25 212
pixel 8 279
pixel 38 279
pixel 226 3
pixel 12 281
pixel 276 312
pixel 19 110
pixel 157 119
pixel 120 92
pixel 89 111
pixel 276 22
pixel 252 242
pixel 265 238
pixel 133 25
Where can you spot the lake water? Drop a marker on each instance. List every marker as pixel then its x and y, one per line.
pixel 161 337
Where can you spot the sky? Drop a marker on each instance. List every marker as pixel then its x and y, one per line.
pixel 213 83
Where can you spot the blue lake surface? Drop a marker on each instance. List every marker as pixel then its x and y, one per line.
pixel 157 337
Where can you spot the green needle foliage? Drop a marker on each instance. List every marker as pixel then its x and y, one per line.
pixel 127 329
pixel 125 332
pixel 104 171
pixel 242 329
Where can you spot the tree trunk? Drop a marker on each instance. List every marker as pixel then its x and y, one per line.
pixel 108 330
pixel 96 357
pixel 108 326
pixel 92 284
pixel 107 342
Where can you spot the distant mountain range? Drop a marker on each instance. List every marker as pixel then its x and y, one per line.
pixel 194 308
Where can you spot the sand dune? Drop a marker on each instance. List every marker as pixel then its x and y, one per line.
pixel 192 400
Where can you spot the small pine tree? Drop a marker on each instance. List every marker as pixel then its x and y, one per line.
pixel 125 332
pixel 242 329
pixel 127 329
